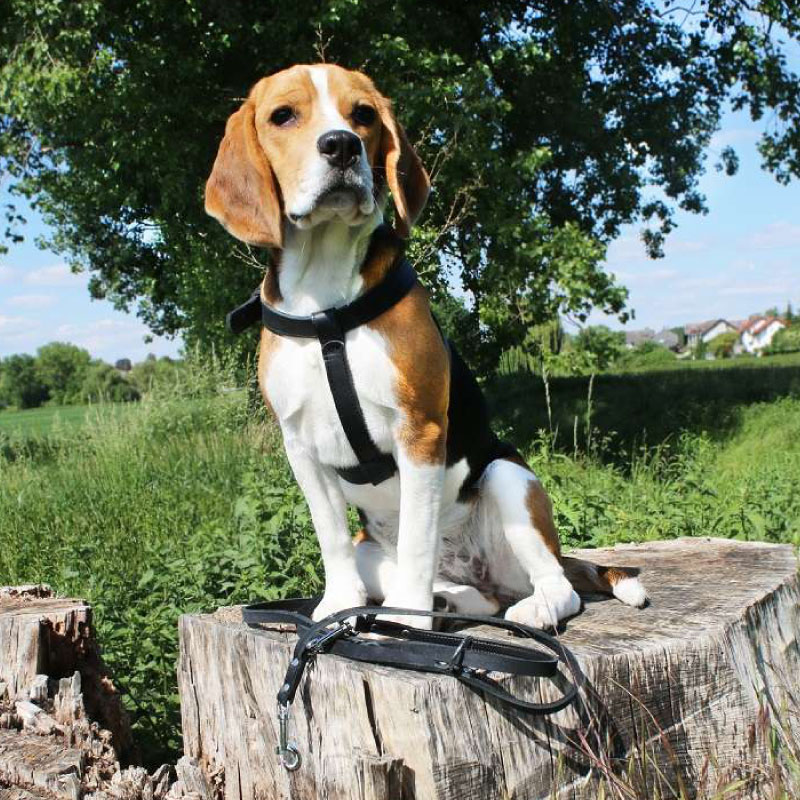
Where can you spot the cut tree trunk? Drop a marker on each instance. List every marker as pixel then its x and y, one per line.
pixel 42 636
pixel 54 690
pixel 680 694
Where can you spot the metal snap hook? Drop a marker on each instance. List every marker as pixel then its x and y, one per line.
pixel 288 754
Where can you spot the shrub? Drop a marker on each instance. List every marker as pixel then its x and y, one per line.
pixel 722 346
pixel 785 341
pixel 103 383
pixel 20 383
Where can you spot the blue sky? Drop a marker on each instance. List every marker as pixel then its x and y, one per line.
pixel 741 258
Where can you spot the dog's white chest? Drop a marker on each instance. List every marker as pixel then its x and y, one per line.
pixel 297 387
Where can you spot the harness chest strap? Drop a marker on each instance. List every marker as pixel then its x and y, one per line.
pixel 330 327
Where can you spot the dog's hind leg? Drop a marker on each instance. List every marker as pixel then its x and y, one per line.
pixel 377 570
pixel 534 571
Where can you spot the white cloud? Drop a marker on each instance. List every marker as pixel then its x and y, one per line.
pixel 12 325
pixel 111 339
pixel 775 235
pixel 647 276
pixel 54 275
pixel 34 301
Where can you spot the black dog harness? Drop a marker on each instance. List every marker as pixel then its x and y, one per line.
pixel 467 658
pixel 330 327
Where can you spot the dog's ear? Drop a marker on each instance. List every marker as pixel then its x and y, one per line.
pixel 241 192
pixel 405 175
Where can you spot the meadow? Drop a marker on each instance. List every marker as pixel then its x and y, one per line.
pixel 185 501
pixel 41 420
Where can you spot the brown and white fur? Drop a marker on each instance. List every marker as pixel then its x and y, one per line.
pixel 291 175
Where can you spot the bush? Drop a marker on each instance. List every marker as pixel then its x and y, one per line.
pixel 103 383
pixel 647 355
pixel 722 346
pixel 785 341
pixel 20 383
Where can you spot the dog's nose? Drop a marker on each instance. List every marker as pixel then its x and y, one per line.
pixel 339 148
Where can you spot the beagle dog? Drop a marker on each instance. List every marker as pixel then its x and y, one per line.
pixel 304 169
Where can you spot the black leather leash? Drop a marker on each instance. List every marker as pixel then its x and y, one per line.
pixel 330 327
pixel 467 658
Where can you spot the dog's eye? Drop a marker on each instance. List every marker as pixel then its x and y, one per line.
pixel 363 115
pixel 282 115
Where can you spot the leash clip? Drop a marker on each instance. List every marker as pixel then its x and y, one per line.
pixel 287 753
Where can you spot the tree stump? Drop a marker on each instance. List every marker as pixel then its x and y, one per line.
pixel 43 637
pixel 681 694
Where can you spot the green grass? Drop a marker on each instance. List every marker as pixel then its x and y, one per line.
pixel 185 502
pixel 631 409
pixel 42 420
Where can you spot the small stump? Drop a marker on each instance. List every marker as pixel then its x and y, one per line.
pixel 680 694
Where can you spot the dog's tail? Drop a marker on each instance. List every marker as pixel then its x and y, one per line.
pixel 619 582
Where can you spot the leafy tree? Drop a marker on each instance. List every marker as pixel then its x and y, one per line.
pixel 546 125
pixel 722 346
pixel 785 341
pixel 646 355
pixel 789 314
pixel 103 383
pixel 20 384
pixel 680 332
pixel 62 368
pixel 602 344
pixel 152 371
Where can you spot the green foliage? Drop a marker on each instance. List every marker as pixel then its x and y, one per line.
pixel 154 371
pixel 601 346
pixel 639 405
pixel 647 356
pixel 546 128
pixel 785 341
pixel 20 382
pixel 722 346
pixel 185 501
pixel 62 368
pixel 103 383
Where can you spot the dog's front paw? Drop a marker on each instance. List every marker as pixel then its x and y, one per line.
pixel 338 599
pixel 553 599
pixel 408 600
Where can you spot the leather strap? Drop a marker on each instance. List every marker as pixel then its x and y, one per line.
pixel 397 283
pixel 466 657
pixel 373 466
pixel 330 327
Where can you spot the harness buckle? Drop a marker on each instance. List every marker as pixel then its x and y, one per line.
pixel 318 643
pixel 288 754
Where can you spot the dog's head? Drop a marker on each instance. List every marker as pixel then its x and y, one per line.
pixel 311 144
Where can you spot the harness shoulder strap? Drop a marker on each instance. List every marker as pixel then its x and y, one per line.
pixel 330 328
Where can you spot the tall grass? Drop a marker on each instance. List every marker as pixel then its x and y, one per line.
pixel 182 506
pixel 186 502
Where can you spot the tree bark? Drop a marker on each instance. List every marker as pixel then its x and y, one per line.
pixel 680 694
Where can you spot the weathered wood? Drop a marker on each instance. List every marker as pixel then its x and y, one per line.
pixel 693 681
pixel 43 636
pixel 52 746
pixel 40 762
